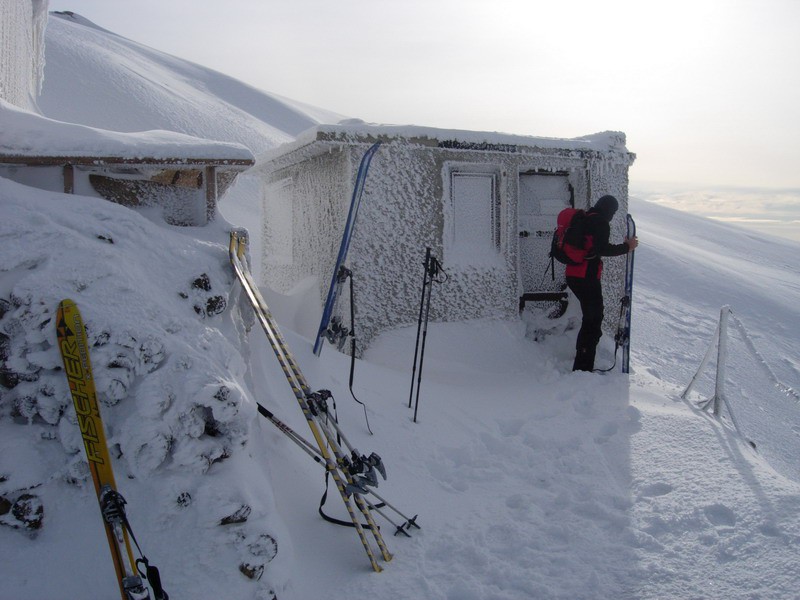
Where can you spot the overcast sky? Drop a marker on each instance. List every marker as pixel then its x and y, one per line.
pixel 707 91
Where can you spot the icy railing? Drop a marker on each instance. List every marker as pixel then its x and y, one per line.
pixel 762 409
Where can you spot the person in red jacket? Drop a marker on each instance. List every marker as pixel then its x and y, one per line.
pixel 584 278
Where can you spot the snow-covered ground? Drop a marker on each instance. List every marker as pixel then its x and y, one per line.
pixel 540 483
pixel 529 481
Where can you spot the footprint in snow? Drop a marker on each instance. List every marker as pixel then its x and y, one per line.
pixel 655 490
pixel 518 502
pixel 634 414
pixel 634 423
pixel 510 428
pixel 606 431
pixel 720 515
pixel 584 407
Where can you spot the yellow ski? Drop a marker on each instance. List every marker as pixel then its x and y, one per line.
pixel 74 349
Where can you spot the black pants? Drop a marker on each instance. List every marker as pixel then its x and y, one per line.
pixel 590 294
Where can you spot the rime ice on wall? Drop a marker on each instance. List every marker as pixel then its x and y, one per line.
pixel 308 199
pixel 22 25
pixel 425 189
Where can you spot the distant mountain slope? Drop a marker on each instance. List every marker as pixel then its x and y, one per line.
pixel 694 266
pixel 97 78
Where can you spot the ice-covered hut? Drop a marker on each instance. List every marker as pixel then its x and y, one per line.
pixel 485 203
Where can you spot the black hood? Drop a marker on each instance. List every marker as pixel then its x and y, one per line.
pixel 607 206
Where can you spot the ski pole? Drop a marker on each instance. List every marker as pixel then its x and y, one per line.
pixel 315 454
pixel 397 528
pixel 419 323
pixel 409 520
pixel 309 448
pixel 302 392
pixel 428 274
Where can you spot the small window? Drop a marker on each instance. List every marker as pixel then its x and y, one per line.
pixel 474 224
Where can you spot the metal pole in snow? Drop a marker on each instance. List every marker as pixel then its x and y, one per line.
pixel 424 339
pixel 722 358
pixel 419 325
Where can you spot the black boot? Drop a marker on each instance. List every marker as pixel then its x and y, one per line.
pixel 584 359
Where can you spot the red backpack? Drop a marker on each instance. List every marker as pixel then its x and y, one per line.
pixel 569 243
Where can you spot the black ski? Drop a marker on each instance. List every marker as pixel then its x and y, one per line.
pixel 327 329
pixel 626 331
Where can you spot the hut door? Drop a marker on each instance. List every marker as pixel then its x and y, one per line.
pixel 541 198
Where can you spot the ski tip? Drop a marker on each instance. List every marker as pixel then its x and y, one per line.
pixel 67 303
pixel 67 308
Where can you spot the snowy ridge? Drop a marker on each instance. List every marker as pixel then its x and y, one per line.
pixel 103 80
